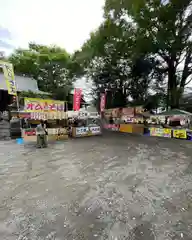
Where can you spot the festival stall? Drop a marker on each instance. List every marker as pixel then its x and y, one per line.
pixel 111 119
pixel 51 111
pixel 171 124
pixel 131 121
pixel 86 124
pixel 127 120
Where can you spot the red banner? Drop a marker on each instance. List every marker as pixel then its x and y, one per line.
pixel 30 132
pixel 77 99
pixel 102 102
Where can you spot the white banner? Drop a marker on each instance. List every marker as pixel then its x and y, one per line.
pixel 80 131
pixel 95 130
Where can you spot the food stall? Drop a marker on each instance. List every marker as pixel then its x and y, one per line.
pixel 126 120
pixel 132 120
pixel 111 119
pixel 171 124
pixel 51 111
pixel 86 124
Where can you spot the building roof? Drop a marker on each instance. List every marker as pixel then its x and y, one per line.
pixel 22 83
pixel 175 112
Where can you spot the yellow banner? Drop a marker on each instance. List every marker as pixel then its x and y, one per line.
pixel 167 132
pixel 126 128
pixel 9 77
pixel 156 132
pixel 160 132
pixel 43 105
pixel 180 133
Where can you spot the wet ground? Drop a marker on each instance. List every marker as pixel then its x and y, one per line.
pixel 112 187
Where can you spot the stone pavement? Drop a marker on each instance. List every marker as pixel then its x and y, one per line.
pixel 110 187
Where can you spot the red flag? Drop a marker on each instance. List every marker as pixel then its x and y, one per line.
pixel 102 102
pixel 77 99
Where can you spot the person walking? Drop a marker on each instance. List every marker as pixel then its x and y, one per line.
pixel 41 133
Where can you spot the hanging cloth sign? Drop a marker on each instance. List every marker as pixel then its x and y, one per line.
pixel 9 78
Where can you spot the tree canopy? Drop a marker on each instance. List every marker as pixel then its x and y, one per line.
pixel 140 55
pixel 143 48
pixel 49 65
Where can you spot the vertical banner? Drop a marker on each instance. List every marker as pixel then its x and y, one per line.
pixel 9 78
pixel 77 99
pixel 102 102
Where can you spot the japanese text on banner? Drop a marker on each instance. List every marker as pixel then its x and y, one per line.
pixel 167 132
pixel 102 102
pixel 82 131
pixel 77 99
pixel 157 132
pixel 95 130
pixel 9 77
pixel 180 133
pixel 43 105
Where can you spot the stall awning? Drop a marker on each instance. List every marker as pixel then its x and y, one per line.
pixel 175 112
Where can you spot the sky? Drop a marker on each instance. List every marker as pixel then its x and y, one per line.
pixel 66 23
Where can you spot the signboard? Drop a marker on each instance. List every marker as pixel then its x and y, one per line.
pixel 30 132
pixel 43 105
pixel 82 131
pixel 88 131
pixel 46 116
pixel 126 128
pixel 113 127
pixel 9 77
pixel 93 115
pixel 102 102
pixel 82 114
pixel 113 112
pixel 77 99
pixel 160 132
pixel 57 131
pixel 95 130
pixel 189 135
pixel 167 132
pixel 180 133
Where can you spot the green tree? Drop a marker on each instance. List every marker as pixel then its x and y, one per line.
pixel 162 31
pixel 105 58
pixel 109 60
pixel 51 66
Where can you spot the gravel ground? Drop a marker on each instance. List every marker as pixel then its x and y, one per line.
pixel 110 187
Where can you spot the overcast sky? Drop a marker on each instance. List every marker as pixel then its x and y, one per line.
pixel 66 23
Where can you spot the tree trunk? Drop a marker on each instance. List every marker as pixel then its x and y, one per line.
pixel 172 86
